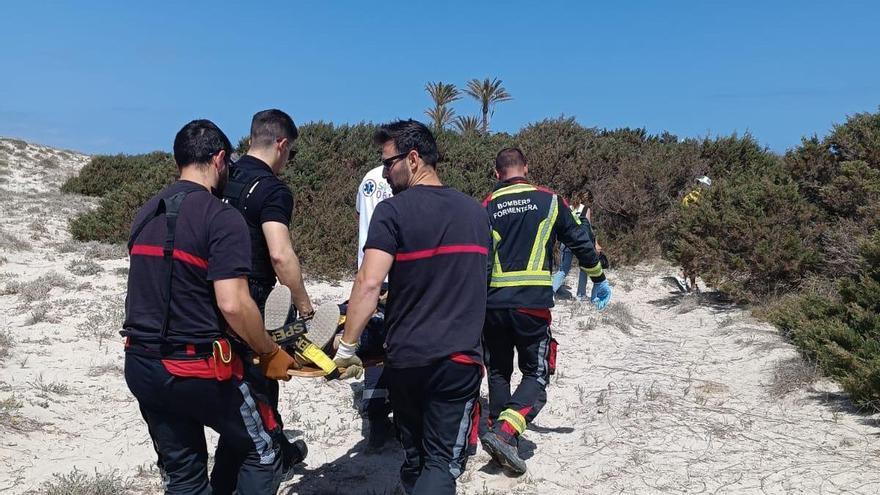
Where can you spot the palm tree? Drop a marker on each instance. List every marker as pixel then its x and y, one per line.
pixel 467 125
pixel 440 116
pixel 442 94
pixel 487 93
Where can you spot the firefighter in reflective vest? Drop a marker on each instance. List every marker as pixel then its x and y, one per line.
pixel 526 221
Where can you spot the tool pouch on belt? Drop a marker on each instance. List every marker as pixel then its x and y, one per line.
pixel 222 359
pixel 221 364
pixel 292 338
pixel 551 357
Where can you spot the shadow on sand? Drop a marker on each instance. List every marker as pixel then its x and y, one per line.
pixel 356 471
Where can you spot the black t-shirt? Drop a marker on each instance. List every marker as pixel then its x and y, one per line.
pixel 440 240
pixel 271 200
pixel 211 243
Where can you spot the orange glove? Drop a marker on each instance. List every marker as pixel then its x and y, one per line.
pixel 276 363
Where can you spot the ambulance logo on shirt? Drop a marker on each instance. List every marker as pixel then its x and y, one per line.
pixel 369 187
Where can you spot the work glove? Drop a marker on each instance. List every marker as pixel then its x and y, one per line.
pixel 601 294
pixel 346 358
pixel 276 363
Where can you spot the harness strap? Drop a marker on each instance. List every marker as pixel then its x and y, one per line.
pixel 171 208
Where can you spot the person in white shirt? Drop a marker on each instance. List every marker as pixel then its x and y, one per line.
pixel 372 190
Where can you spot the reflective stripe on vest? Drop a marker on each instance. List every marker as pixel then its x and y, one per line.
pixel 534 274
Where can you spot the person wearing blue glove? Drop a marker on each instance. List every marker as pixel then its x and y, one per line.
pixel 526 222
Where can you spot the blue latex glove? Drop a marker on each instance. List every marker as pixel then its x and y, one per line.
pixel 601 294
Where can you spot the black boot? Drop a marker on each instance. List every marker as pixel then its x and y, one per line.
pixel 504 452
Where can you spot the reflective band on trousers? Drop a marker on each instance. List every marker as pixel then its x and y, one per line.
pixel 516 420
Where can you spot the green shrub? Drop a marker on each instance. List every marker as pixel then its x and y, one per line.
pixel 840 175
pixel 842 334
pixel 111 221
pixel 104 173
pixel 751 234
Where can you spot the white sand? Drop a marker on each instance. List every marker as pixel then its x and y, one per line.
pixel 659 394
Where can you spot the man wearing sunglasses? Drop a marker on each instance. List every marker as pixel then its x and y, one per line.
pixel 432 242
pixel 266 203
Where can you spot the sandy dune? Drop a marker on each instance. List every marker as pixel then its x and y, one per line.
pixel 661 393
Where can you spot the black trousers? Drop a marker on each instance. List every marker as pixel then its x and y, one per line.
pixel 436 410
pixel 177 410
pixel 528 333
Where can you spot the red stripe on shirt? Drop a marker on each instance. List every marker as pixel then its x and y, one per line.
pixel 441 250
pixel 149 250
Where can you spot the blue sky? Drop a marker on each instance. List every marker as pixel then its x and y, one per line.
pixel 125 76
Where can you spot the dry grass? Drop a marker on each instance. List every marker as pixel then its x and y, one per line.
pixel 12 420
pixel 40 314
pixel 106 369
pixel 44 388
pixel 77 482
pixel 619 316
pixel 791 375
pixel 84 267
pixel 9 242
pixel 6 344
pixel 38 230
pixel 103 324
pixel 17 143
pixel 39 288
pixel 48 163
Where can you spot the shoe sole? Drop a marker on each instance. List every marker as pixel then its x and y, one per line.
pixel 320 329
pixel 277 307
pixel 493 450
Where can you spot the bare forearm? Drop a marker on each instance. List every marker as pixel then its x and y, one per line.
pixel 289 273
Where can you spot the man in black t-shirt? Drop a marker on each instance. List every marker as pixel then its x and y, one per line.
pixel 266 203
pixel 187 286
pixel 432 242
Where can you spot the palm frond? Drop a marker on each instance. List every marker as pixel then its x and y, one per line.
pixel 440 116
pixel 442 93
pixel 467 124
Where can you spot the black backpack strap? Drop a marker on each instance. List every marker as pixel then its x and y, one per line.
pixel 137 231
pixel 171 206
pixel 240 187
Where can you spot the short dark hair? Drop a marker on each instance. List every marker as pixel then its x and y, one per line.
pixel 410 135
pixel 269 126
pixel 198 141
pixel 509 157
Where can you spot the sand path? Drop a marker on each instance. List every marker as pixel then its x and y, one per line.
pixel 662 393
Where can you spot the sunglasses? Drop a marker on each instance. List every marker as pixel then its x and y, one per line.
pixel 390 161
pixel 226 158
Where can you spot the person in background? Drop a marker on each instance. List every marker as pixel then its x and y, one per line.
pixel 582 206
pixel 375 405
pixel 687 282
